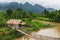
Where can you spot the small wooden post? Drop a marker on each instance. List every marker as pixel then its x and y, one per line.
pixel 27 38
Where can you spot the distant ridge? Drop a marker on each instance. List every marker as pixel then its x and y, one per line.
pixel 27 7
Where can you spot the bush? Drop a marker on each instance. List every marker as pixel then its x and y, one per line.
pixel 13 34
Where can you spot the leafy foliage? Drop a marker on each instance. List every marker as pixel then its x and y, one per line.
pixel 53 16
pixel 26 17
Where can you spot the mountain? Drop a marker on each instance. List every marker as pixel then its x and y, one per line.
pixel 27 7
pixel 50 9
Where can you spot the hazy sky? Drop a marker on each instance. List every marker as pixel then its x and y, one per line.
pixel 48 3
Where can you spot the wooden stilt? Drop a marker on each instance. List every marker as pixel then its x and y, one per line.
pixel 27 37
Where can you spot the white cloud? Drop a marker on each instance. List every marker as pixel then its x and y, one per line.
pixel 47 3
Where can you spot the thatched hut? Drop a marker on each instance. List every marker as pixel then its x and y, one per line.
pixel 15 23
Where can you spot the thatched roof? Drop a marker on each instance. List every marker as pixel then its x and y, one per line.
pixel 15 22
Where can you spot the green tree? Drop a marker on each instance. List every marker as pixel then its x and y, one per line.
pixel 9 12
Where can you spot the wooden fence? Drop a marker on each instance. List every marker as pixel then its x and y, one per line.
pixel 48 38
pixel 40 37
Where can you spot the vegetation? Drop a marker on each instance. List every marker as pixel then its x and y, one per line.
pixel 53 16
pixel 13 34
pixel 26 17
pixel 38 25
